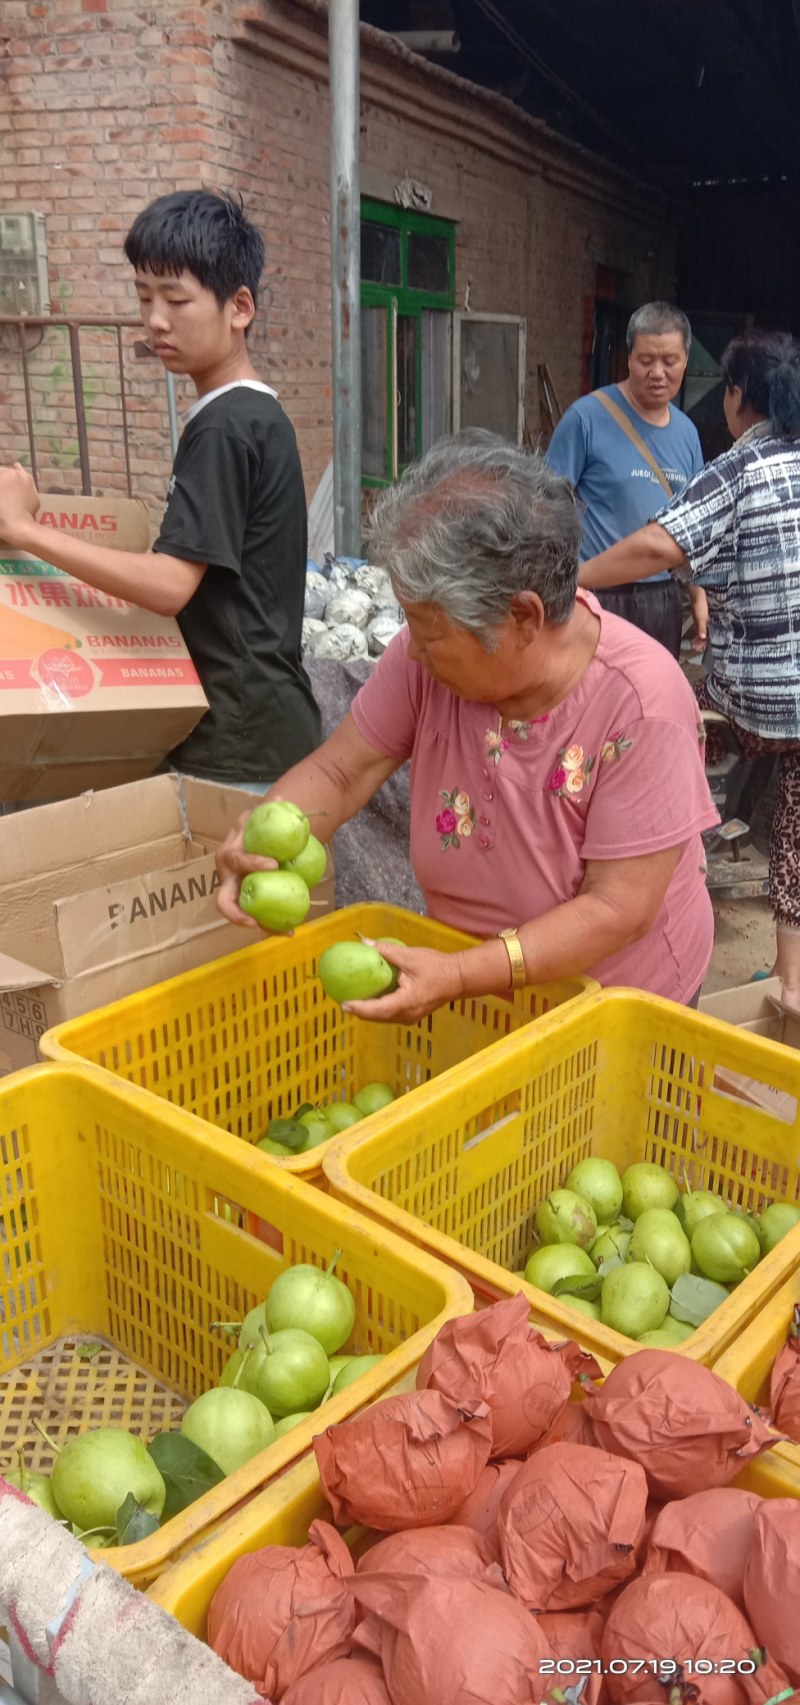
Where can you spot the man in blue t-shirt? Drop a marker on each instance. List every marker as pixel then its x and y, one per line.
pixel 622 483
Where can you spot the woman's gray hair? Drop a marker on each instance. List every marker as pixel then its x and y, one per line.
pixel 472 525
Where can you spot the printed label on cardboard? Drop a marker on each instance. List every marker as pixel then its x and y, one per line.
pixel 131 649
pixel 77 521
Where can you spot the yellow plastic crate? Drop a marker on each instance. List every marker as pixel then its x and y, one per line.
pixel 622 1075
pixel 124 1233
pixel 282 1515
pixel 252 1036
pixel 747 1366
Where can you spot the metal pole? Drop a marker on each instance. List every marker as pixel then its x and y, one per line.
pixel 80 406
pixel 345 274
pixel 173 414
pixel 26 377
pixel 125 434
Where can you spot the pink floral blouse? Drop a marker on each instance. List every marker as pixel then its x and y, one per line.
pixel 504 817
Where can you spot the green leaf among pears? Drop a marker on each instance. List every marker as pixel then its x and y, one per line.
pixel 574 1285
pixel 693 1299
pixel 187 1471
pixel 134 1522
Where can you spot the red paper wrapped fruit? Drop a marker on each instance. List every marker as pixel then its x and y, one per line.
pixel 408 1461
pixel 282 1611
pixel 454 1551
pixel 479 1509
pixel 569 1525
pixel 785 1383
pixel 346 1681
pixel 496 1357
pixel 663 1626
pixel 772 1581
pixel 681 1422
pixel 707 1534
pixel 446 1642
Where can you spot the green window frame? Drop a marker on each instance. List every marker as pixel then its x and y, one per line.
pixel 406 309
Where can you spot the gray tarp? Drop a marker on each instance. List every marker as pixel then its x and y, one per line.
pixel 371 852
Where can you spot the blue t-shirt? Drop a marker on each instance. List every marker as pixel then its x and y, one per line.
pixel 617 489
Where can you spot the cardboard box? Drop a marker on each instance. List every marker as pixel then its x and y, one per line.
pixel 93 691
pixel 108 893
pixel 750 1007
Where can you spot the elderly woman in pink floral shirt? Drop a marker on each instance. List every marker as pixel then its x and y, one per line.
pixel 557 786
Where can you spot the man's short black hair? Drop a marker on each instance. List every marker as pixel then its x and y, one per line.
pixel 195 231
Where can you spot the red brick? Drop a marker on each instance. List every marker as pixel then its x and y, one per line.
pixel 137 101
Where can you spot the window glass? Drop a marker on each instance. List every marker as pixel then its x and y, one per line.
pixel 373 392
pixel 436 359
pixel 407 398
pixel 490 376
pixel 380 253
pixel 428 262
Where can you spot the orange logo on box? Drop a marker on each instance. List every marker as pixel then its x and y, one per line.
pixel 67 671
pixel 27 636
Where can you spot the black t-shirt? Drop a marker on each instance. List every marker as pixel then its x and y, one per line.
pixel 237 503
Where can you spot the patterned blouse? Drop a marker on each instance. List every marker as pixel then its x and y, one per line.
pixel 738 523
pixel 506 816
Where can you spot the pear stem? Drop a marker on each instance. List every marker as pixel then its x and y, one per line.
pixel 23 1472
pixel 92 1531
pixel 240 1370
pixel 337 1255
pixel 270 1348
pixel 56 1449
pixel 226 1325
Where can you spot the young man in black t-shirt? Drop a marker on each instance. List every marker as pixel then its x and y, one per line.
pixel 230 560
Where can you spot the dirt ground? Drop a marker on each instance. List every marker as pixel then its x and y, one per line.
pixel 744 943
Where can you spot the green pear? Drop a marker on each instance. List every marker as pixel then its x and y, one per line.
pixel 775 1221
pixel 372 1097
pixel 696 1205
pixel 230 1425
pixel 353 1370
pixel 583 1305
pixel 289 1421
pixel 95 1472
pixel 352 971
pixel 277 829
pixel 287 1371
pixel 268 1145
pixel 341 1115
pixel 311 863
pixel 335 1364
pixel 232 1369
pixel 254 1320
pixel 37 1487
pixel 319 1128
pixel 277 899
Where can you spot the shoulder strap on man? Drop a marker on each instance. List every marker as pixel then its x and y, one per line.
pixel 625 425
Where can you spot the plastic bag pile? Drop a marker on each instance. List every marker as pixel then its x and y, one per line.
pixel 535 1537
pixel 350 611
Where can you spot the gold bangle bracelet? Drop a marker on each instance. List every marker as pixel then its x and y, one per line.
pixel 516 957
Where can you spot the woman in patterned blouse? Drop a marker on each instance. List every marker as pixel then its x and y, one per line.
pixel 735 530
pixel 557 783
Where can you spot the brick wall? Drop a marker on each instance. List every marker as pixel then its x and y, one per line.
pixel 103 106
